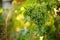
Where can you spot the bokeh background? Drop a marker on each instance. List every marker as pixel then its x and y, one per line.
pixel 29 19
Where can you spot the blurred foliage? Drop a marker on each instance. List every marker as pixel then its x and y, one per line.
pixel 31 20
pixel 0 3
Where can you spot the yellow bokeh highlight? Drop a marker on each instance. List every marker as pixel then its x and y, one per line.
pixel 59 0
pixel 22 8
pixel 15 11
pixel 41 37
pixel 17 29
pixel 26 24
pixel 19 17
pixel 14 2
pixel 1 10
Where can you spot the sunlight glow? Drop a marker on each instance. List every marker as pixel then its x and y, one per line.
pixel 58 0
pixel 21 16
pixel 15 11
pixel 41 37
pixel 22 8
pixel 1 10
